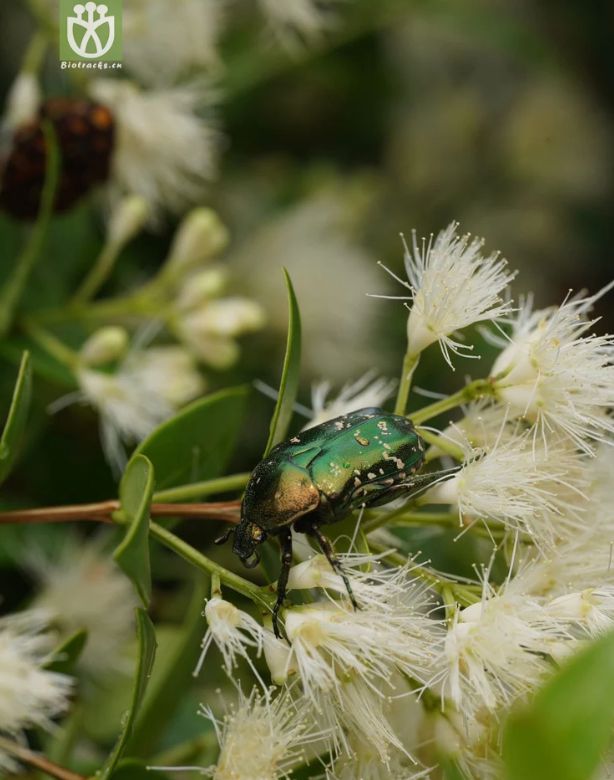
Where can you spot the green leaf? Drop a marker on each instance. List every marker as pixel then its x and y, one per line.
pixel 130 769
pixel 565 731
pixel 135 494
pixel 172 674
pixel 197 443
pixel 17 417
pixel 288 387
pixel 66 655
pixel 147 650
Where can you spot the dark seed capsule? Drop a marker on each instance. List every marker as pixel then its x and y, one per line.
pixel 85 133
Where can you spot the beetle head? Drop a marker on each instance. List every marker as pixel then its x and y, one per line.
pixel 248 536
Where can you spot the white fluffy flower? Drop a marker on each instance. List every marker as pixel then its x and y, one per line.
pixel 405 714
pixel 495 651
pixel 347 660
pixel 29 694
pixel 526 487
pixel 163 150
pixel 452 285
pixel 234 632
pixel 262 738
pixel 147 388
pixel 168 370
pixel 557 374
pixel 369 390
pixel 165 41
pixel 373 768
pixel 472 743
pixel 375 587
pixel 82 588
pixel 591 609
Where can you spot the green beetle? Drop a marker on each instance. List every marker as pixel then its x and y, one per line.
pixel 363 459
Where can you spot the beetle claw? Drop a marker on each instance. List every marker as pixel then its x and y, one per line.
pixel 252 561
pixel 224 537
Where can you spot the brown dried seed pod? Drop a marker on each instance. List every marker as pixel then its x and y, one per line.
pixel 85 133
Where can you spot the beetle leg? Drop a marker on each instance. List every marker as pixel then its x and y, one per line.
pixel 327 549
pixel 225 536
pixel 285 539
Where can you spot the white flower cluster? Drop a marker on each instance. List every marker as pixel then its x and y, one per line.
pixel 429 666
pixel 30 695
pixel 81 588
pixel 346 668
pixel 136 386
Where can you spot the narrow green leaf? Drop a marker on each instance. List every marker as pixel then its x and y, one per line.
pixel 147 650
pixel 197 443
pixel 17 417
pixel 66 655
pixel 172 675
pixel 569 725
pixel 288 387
pixel 135 494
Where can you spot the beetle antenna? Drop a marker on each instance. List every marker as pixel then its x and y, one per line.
pixel 225 536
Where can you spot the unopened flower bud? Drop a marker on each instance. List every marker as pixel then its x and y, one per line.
pixel 201 287
pixel 278 656
pixel 127 219
pixel 313 573
pixel 230 317
pixel 200 237
pixel 104 346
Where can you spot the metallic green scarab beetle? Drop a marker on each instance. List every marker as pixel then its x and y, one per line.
pixel 362 459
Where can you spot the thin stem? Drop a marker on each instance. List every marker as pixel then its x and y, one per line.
pixel 440 442
pixel 41 11
pixel 35 52
pixel 409 366
pixel 97 275
pixel 37 761
pixel 226 511
pixel 474 390
pixel 51 344
pixel 196 558
pixel 206 488
pixel 14 287
pixel 130 307
pixel 412 519
pixel 99 512
pixel 109 511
